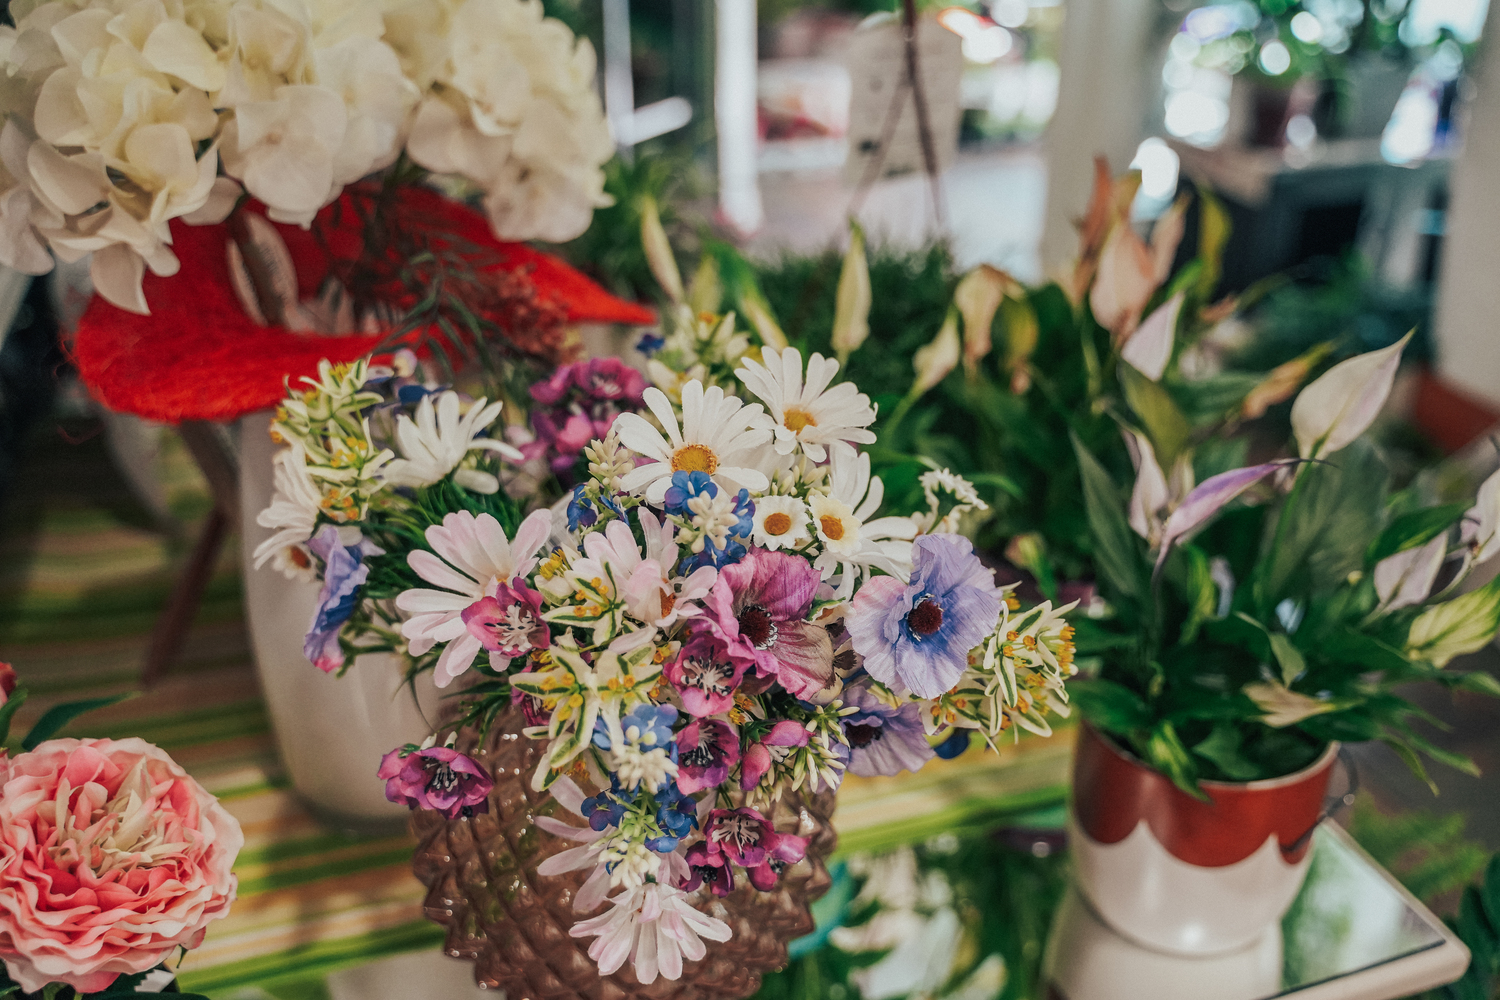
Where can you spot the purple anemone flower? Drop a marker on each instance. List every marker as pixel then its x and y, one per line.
pixel 344 573
pixel 916 637
pixel 578 404
pixel 759 607
pixel 437 778
pixel 705 866
pixel 509 623
pixel 706 750
pixel 744 837
pixel 704 675
pixel 882 739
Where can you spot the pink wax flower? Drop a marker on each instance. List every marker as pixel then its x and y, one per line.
pixel 7 681
pixel 579 403
pixel 759 607
pixel 704 675
pixel 509 623
pixel 746 838
pixel 111 858
pixel 706 750
pixel 437 778
pixel 786 733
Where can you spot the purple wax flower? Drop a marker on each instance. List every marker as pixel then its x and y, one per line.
pixel 706 750
pixel 882 739
pixel 344 572
pixel 704 675
pixel 437 778
pixel 579 403
pixel 509 624
pixel 916 637
pixel 759 607
pixel 744 837
pixel 705 866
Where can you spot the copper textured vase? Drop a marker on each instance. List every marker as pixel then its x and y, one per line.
pixel 483 886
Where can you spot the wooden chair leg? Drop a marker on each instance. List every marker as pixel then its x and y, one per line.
pixel 187 594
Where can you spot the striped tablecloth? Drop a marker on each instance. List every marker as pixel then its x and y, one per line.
pixel 313 899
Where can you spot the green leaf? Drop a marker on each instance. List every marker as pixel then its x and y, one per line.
pixel 1476 930
pixel 1213 234
pixel 1491 890
pixel 1481 682
pixel 7 710
pixel 1116 548
pixel 1457 761
pixel 1223 749
pixel 1199 591
pixel 60 715
pixel 1454 628
pixel 1416 528
pixel 1165 752
pixel 1110 706
pixel 1158 414
pixel 1288 657
pixel 1410 759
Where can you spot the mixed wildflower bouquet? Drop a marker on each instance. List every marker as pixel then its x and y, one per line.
pixel 1255 616
pixel 716 615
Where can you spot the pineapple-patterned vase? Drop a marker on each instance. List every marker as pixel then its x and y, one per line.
pixel 512 923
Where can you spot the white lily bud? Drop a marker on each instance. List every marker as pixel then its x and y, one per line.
pixel 1344 402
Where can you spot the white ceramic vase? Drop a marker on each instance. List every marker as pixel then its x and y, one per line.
pixel 331 731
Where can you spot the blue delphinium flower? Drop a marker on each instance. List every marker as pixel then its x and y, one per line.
pixel 724 532
pixel 685 486
pixel 677 814
pixel 649 344
pixel 605 809
pixel 916 637
pixel 344 573
pixel 581 512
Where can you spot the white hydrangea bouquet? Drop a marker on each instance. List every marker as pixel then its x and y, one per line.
pixel 716 616
pixel 123 115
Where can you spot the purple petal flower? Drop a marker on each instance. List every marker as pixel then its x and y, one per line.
pixel 745 838
pixel 705 866
pixel 916 637
pixel 509 623
pixel 704 675
pixel 438 778
pixel 706 750
pixel 1209 496
pixel 759 606
pixel 344 572
pixel 882 739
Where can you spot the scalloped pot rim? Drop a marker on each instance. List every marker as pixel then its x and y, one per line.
pixel 1324 759
pixel 1114 792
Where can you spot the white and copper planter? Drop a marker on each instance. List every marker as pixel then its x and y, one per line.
pixel 1181 875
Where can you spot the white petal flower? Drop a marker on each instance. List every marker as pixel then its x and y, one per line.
pixel 439 439
pixel 811 414
pixel 855 541
pixel 293 511
pixel 653 926
pixel 780 522
pixel 717 436
pixel 284 149
pixel 475 556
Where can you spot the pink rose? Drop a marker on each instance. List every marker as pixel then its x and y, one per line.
pixel 111 857
pixel 7 681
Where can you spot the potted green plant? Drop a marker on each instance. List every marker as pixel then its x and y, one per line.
pixel 1255 620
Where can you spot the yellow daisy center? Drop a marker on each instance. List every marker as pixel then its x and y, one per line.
pixel 796 419
pixel 779 523
pixel 695 458
pixel 833 528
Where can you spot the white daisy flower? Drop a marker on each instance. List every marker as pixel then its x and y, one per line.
pixel 853 543
pixel 780 522
pixel 718 436
pixel 438 440
pixel 810 414
pixel 295 562
pixel 655 927
pixel 292 515
pixel 478 558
